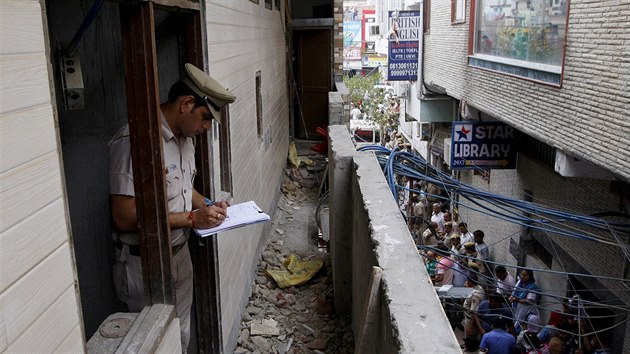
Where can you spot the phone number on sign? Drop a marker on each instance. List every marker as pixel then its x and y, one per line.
pixel 397 66
pixel 403 72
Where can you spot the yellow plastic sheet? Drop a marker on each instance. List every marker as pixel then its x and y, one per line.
pixel 294 159
pixel 296 273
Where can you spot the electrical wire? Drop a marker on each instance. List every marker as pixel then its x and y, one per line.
pixel 397 164
pixel 468 270
pixel 401 163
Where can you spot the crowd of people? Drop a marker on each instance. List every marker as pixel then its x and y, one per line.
pixel 502 313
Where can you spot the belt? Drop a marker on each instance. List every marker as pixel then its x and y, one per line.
pixel 134 250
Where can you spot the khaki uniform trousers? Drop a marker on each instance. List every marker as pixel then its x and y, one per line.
pixel 130 287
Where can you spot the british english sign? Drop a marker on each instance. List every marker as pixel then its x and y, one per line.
pixel 404 34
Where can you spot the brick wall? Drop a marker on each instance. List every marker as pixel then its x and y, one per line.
pixel 580 195
pixel 587 117
pixel 338 39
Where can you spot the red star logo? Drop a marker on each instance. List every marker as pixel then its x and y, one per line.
pixel 463 133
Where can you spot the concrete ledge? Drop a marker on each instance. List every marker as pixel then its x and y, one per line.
pixel 335 108
pixel 366 230
pixel 416 321
pixel 340 154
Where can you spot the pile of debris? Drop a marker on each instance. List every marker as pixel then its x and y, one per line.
pixel 295 319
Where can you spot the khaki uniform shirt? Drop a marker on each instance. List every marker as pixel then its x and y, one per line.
pixel 180 170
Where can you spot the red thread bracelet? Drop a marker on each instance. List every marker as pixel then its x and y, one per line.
pixel 192 220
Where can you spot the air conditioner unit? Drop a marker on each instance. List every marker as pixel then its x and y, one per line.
pixel 420 130
pixel 569 166
pixel 447 151
pixel 555 10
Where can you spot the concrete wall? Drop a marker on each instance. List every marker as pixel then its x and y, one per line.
pixel 341 152
pixel 410 317
pixel 243 38
pixel 39 310
pixel 593 105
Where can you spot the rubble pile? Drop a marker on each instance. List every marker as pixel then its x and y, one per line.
pixel 295 319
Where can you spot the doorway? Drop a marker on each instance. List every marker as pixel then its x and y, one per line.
pixel 110 38
pixel 313 75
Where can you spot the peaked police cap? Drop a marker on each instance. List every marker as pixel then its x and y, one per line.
pixel 215 95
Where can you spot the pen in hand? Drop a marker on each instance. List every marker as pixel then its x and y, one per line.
pixel 209 203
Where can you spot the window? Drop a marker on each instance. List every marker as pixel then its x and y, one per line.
pixel 259 111
pixel 521 37
pixel 458 11
pixel 277 4
pixel 541 252
pixel 224 151
pixel 268 4
pixel 535 149
pixel 255 1
pixel 375 30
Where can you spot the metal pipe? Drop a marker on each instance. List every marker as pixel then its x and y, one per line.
pixel 87 21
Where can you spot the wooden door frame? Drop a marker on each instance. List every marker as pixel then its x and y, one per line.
pixel 143 103
pixel 302 27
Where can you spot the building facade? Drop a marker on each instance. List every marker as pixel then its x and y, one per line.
pixel 557 72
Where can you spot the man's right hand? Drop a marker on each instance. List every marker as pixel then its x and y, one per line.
pixel 209 216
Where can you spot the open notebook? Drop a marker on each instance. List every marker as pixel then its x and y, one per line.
pixel 237 215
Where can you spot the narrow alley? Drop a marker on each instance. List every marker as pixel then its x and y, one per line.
pixel 295 319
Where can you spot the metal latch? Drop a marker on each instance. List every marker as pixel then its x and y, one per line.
pixel 72 82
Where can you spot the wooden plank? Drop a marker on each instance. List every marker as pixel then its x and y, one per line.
pixel 21 28
pixel 51 328
pixel 137 324
pixel 146 149
pixel 73 343
pixel 171 343
pixel 37 139
pixel 45 228
pixel 24 81
pixel 165 315
pixel 28 188
pixel 148 329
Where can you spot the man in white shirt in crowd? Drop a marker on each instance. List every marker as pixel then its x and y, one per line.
pixel 355 112
pixel 464 235
pixel 480 246
pixel 505 281
pixel 437 216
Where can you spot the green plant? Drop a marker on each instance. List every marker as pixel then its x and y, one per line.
pixel 364 95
